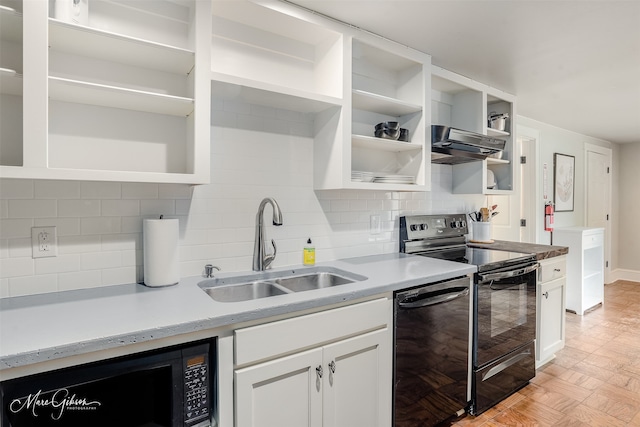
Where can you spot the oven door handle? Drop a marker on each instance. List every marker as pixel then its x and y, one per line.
pixel 426 300
pixel 508 274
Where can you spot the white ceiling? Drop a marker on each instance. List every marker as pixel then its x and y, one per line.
pixel 573 64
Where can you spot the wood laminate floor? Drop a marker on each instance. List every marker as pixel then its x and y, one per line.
pixel 593 381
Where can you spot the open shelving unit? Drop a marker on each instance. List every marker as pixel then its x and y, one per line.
pixel 124 96
pixel 11 82
pixel 465 104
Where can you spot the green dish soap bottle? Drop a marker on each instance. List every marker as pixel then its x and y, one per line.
pixel 309 254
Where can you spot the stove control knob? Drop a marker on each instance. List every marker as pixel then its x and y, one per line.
pixel 423 227
pixel 464 223
pixel 459 224
pixel 413 227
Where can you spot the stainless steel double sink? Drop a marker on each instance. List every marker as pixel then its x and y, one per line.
pixel 268 284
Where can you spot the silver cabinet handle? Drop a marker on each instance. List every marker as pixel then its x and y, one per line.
pixel 332 366
pixel 557 269
pixel 546 295
pixel 319 371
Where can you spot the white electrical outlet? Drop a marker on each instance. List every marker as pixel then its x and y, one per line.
pixel 44 241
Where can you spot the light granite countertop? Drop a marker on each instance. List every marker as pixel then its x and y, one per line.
pixel 46 327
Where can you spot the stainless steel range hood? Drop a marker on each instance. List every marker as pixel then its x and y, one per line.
pixel 451 146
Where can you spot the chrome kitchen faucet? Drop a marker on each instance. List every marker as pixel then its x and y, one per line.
pixel 261 259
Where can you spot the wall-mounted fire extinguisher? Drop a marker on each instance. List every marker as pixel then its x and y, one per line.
pixel 548 216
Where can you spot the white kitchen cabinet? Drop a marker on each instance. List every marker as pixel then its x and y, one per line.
pixel 331 368
pixel 585 266
pixel 387 86
pixel 124 97
pixel 11 82
pixel 550 310
pixel 274 54
pixel 465 104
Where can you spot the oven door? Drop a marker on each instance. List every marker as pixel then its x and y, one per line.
pixel 505 310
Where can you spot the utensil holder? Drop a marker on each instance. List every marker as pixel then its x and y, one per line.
pixel 482 232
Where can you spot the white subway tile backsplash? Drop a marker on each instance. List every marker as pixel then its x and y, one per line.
pixel 15 228
pixel 39 284
pixel 101 225
pixel 79 280
pixel 19 248
pixel 64 226
pixel 11 189
pixel 16 267
pixel 4 208
pixel 120 208
pixel 155 208
pixel 139 191
pixel 4 248
pixel 174 191
pixel 100 190
pixel 56 189
pixel 32 208
pixel 100 260
pixel 115 276
pixel 78 208
pixel 79 244
pixel 256 152
pixel 121 242
pixel 60 264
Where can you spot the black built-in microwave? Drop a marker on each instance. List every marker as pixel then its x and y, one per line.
pixel 170 387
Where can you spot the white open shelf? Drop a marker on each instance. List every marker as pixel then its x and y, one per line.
pixel 382 104
pixel 227 86
pixel 268 50
pixel 96 43
pixel 10 82
pixel 492 161
pixel 10 24
pixel 381 144
pixel 80 92
pixel 497 133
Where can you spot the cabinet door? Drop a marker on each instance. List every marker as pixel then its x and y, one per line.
pixel 285 392
pixel 551 323
pixel 358 381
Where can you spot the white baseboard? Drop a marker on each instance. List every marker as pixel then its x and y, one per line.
pixel 624 274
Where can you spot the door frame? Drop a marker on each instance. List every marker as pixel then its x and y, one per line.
pixel 535 203
pixel 608 153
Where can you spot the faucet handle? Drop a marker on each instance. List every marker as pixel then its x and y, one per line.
pixel 268 259
pixel 208 270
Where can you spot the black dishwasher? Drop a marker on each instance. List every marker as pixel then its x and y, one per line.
pixel 432 335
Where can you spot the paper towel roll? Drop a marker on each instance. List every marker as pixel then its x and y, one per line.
pixel 160 246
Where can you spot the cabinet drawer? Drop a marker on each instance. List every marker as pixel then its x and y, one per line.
pixel 269 340
pixel 551 269
pixel 592 240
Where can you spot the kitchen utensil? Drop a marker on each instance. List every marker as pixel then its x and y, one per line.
pixel 387 133
pixel 498 121
pixel 388 125
pixel 491 179
pixel 404 135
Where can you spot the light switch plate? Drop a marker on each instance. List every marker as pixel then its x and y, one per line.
pixel 44 242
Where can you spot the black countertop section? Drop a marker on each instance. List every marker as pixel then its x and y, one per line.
pixel 541 251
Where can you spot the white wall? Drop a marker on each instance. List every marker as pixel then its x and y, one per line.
pixel 256 152
pixel 629 210
pixel 556 140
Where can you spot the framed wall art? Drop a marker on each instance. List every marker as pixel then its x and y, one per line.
pixel 564 174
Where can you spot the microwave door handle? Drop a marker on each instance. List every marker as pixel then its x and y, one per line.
pixel 427 300
pixel 508 274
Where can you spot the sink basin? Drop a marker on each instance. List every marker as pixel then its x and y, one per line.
pixel 269 283
pixel 243 292
pixel 312 281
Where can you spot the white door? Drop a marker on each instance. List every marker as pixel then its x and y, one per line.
pixel 285 392
pixel 358 384
pixel 598 190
